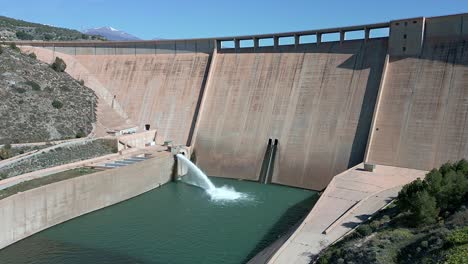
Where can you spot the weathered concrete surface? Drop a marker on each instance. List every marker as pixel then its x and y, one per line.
pixel 317 100
pixel 370 191
pixel 422 120
pixel 157 89
pixel 29 212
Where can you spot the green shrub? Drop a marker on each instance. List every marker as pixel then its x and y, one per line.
pixel 5 153
pixel 34 85
pixel 3 176
pixel 24 35
pixel 81 82
pixel 48 37
pixel 14 47
pixel 1 49
pixel 364 230
pixel 459 236
pixel 424 244
pixel 375 225
pixel 80 134
pixel 59 65
pixel 457 255
pixel 20 90
pixel 32 55
pixel 57 104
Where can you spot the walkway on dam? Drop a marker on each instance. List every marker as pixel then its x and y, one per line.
pixel 350 199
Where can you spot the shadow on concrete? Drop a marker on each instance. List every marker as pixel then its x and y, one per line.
pixel 280 231
pixel 199 100
pixel 372 58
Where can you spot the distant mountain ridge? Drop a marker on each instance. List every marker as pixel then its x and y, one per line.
pixel 110 33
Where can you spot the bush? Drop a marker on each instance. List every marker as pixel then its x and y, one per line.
pixel 459 236
pixel 34 85
pixel 80 134
pixel 14 47
pixel 57 104
pixel 24 35
pixel 20 90
pixel 458 255
pixel 81 82
pixel 364 230
pixel 3 176
pixel 1 49
pixel 48 37
pixel 59 65
pixel 32 55
pixel 5 153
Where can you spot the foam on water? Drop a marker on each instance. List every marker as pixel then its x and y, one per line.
pixel 199 179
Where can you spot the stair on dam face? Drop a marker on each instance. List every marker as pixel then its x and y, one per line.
pixel 268 162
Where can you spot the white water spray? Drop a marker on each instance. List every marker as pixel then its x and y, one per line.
pixel 198 178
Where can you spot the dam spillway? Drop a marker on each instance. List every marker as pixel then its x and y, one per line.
pixel 397 100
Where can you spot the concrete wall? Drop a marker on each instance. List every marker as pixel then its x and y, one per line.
pixel 422 120
pixel 316 99
pixel 29 212
pixel 133 90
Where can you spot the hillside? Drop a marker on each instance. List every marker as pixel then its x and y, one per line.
pixel 427 224
pixel 14 29
pixel 40 104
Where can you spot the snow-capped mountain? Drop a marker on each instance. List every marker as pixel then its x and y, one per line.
pixel 110 33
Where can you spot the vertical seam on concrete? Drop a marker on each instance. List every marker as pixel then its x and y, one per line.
pixel 203 95
pixel 376 109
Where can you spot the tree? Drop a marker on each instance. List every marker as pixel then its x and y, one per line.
pixel 423 208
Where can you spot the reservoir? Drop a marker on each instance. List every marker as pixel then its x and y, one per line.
pixel 176 223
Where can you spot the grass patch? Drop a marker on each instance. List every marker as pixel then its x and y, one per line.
pixel 32 184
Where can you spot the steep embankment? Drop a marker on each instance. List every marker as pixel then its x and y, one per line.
pixel 39 104
pixel 316 100
pixel 422 120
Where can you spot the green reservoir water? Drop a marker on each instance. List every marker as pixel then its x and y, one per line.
pixel 176 223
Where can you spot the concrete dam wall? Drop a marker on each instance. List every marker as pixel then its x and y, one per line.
pixel 140 86
pixel 399 100
pixel 422 120
pixel 316 100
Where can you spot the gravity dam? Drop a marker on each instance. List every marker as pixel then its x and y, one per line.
pixel 226 97
pixel 395 96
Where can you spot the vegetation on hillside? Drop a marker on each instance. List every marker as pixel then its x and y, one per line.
pixel 35 183
pixel 15 29
pixel 427 224
pixel 40 102
pixel 60 155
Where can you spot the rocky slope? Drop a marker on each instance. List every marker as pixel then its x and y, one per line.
pixel 39 104
pixel 14 29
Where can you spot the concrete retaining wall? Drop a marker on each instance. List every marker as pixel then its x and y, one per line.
pixel 29 212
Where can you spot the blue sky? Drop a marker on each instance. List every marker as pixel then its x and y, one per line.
pixel 171 19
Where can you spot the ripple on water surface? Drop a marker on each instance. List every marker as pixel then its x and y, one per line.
pixel 176 223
